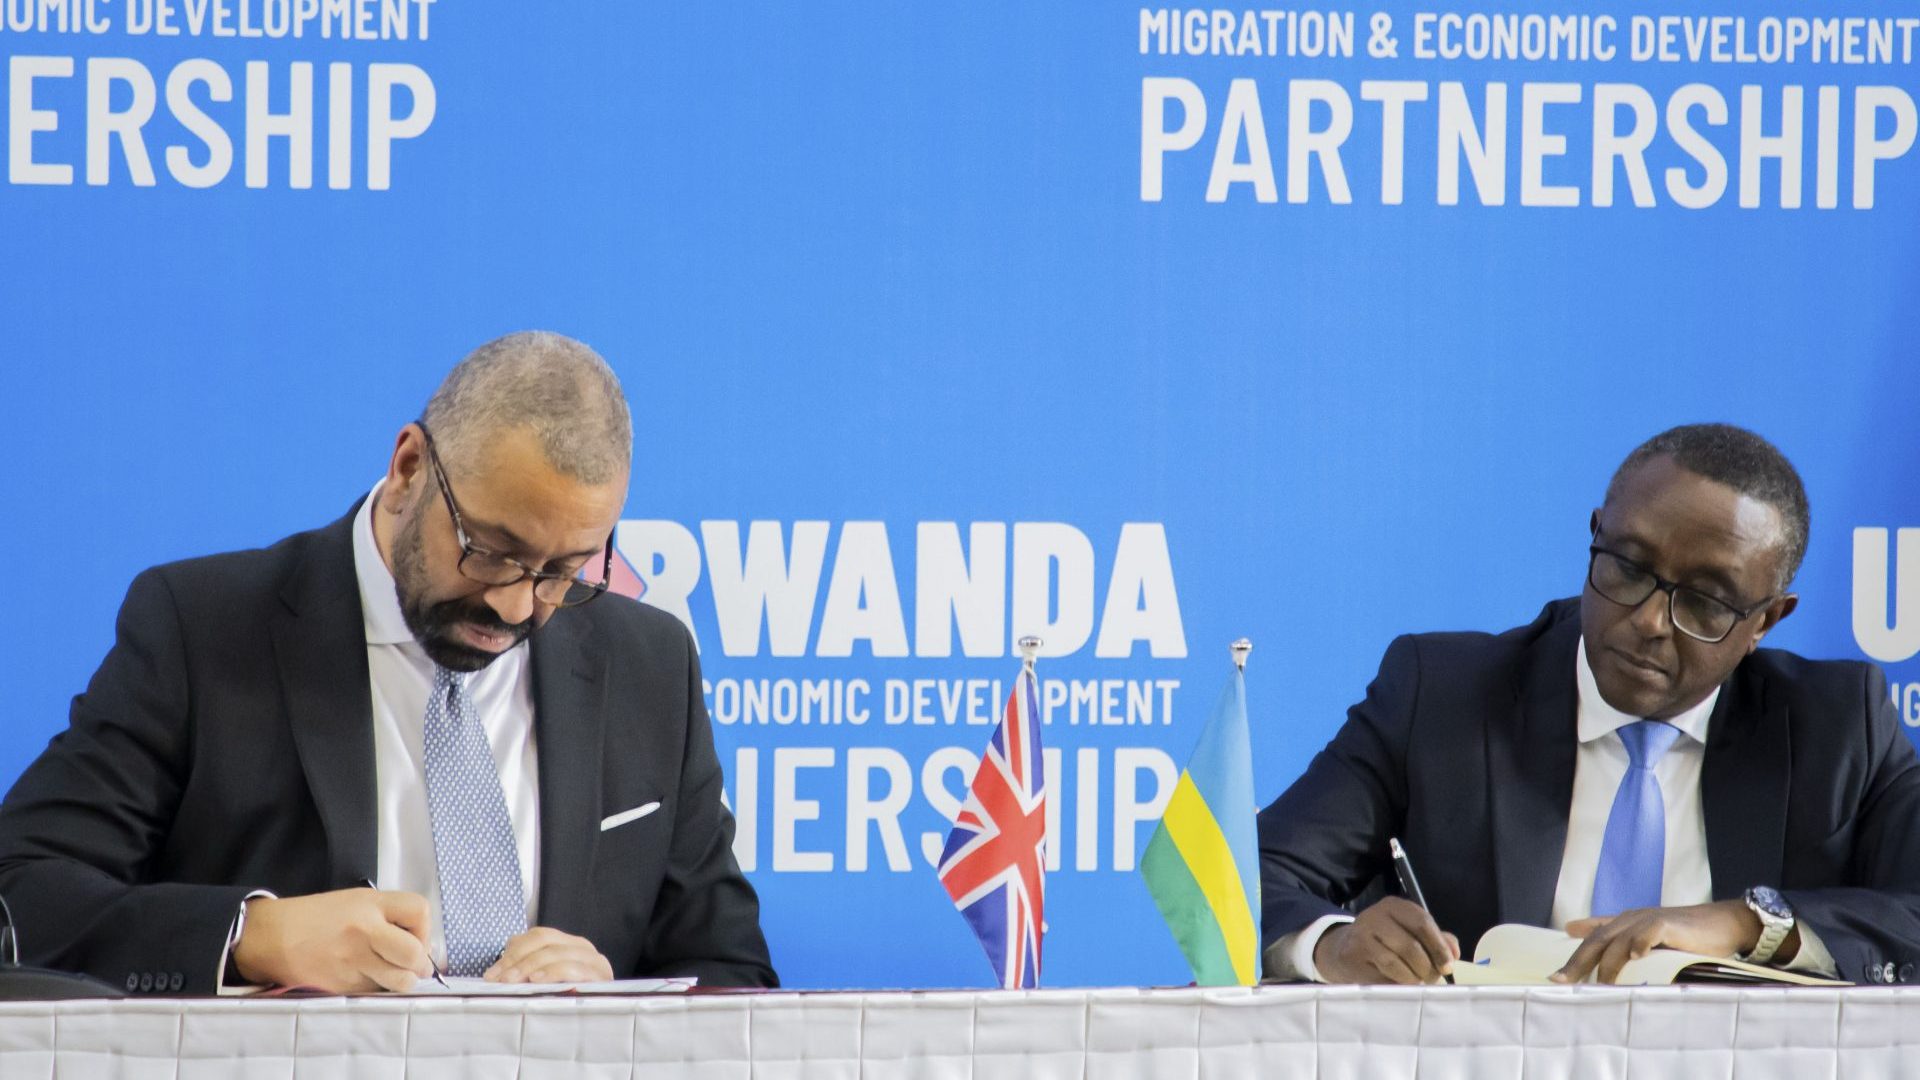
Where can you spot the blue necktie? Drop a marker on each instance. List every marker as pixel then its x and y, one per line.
pixel 1633 853
pixel 481 901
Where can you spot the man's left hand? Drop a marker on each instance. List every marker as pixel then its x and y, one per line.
pixel 1723 928
pixel 543 955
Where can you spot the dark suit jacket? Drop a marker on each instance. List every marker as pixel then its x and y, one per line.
pixel 226 745
pixel 1464 748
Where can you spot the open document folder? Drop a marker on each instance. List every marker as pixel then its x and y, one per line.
pixel 1514 955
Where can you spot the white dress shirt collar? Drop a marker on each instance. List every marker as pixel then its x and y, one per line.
pixel 1599 719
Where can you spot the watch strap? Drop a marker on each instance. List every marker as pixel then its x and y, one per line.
pixel 1773 932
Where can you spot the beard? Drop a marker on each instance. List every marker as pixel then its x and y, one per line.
pixel 432 623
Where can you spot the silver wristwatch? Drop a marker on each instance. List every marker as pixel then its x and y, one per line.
pixel 1776 922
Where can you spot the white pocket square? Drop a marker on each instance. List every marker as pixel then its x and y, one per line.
pixel 624 816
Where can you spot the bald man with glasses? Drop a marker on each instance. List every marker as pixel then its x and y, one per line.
pixel 419 740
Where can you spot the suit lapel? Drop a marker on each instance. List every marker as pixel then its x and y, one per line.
pixel 1743 787
pixel 569 697
pixel 319 642
pixel 1530 759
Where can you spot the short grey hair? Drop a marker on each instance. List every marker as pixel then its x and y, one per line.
pixel 557 388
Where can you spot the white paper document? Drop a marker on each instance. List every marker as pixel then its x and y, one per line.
pixel 468 986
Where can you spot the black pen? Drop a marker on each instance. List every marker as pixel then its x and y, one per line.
pixel 437 977
pixel 1410 885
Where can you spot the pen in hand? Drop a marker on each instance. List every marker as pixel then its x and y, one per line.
pixel 1410 885
pixel 437 977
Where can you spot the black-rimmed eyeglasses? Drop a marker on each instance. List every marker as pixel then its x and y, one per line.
pixel 494 569
pixel 1692 612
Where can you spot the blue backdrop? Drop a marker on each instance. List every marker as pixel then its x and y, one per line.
pixel 942 293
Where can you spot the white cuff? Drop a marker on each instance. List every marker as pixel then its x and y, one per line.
pixel 1290 959
pixel 1813 957
pixel 233 938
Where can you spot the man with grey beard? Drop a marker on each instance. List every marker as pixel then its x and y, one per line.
pixel 419 739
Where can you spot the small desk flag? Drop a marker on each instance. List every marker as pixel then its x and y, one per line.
pixel 994 865
pixel 1202 865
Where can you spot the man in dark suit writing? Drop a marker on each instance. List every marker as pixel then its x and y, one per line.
pixel 1630 767
pixel 420 734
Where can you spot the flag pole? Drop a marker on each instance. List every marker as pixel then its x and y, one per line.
pixel 1241 648
pixel 1029 645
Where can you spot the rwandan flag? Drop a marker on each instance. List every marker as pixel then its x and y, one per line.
pixel 1202 864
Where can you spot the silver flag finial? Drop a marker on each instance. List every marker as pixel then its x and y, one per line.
pixel 1240 649
pixel 1029 645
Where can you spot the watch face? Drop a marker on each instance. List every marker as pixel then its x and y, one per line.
pixel 1767 899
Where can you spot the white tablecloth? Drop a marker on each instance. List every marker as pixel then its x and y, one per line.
pixel 1278 1033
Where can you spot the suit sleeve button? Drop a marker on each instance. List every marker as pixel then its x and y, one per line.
pixel 133 982
pixel 175 981
pixel 146 981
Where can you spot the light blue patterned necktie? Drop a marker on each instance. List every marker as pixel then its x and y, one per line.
pixel 481 901
pixel 1633 852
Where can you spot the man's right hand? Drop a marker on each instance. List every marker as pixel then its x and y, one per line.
pixel 1394 941
pixel 341 942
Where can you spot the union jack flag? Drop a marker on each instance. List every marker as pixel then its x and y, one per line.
pixel 994 865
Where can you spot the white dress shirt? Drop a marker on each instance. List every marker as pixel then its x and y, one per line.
pixel 1599 764
pixel 1598 767
pixel 401 678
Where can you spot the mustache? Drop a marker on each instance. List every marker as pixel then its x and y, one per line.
pixel 434 631
pixel 480 615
